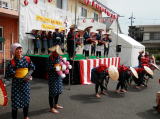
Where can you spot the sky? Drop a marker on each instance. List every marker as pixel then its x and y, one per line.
pixel 145 12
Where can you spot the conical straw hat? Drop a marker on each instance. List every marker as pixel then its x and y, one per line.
pixel 57 49
pixel 155 66
pixel 134 72
pixel 148 70
pixel 113 72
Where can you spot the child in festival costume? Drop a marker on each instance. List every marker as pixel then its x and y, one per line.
pixel 20 69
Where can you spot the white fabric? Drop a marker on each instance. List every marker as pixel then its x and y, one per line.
pixel 130 49
pixel 87 47
pixel 14 47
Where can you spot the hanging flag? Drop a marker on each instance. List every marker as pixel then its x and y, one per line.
pixel 86 2
pixel 108 13
pixel 92 3
pixel 92 20
pixel 84 20
pixel 26 2
pixel 35 1
pixel 49 0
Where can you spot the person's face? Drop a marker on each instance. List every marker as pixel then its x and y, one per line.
pixel 18 52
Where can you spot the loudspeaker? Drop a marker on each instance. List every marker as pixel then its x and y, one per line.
pixel 118 48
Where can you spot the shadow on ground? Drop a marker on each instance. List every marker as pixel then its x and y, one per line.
pixel 85 98
pixel 149 114
pixel 7 115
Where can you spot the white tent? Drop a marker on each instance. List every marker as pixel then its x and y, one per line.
pixel 130 49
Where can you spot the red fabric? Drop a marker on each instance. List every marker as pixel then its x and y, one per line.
pixel 139 70
pixel 109 62
pixel 101 68
pixel 88 71
pixel 4 93
pixel 14 64
pixel 123 68
pixel 81 72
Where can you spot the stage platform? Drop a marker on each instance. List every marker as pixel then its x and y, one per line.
pixel 77 57
pixel 81 72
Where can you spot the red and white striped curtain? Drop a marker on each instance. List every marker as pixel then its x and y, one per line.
pixel 87 65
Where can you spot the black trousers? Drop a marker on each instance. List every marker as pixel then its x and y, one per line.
pixel 25 112
pixel 86 53
pixel 53 101
pixel 106 50
pixel 97 87
pixel 120 84
pixel 98 53
pixel 93 50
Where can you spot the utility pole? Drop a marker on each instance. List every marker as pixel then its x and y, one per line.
pixel 132 19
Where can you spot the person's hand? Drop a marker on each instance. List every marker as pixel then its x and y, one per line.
pixel 28 78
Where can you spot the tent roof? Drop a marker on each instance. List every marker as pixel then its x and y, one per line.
pixel 130 40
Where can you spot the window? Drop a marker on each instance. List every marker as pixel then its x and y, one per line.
pixel 146 36
pixel 95 16
pixel 1 36
pixel 83 12
pixel 155 36
pixel 59 4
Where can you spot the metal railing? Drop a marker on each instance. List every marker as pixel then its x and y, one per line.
pixel 9 4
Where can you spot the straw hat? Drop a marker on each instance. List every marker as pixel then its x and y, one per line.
pixel 113 72
pixel 57 49
pixel 89 27
pixel 148 70
pixel 155 66
pixel 73 26
pixel 134 72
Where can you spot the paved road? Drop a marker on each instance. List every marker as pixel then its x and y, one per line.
pixel 80 103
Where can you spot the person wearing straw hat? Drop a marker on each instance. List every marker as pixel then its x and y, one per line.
pixel 98 75
pixel 54 80
pixel 87 41
pixel 20 69
pixel 49 39
pixel 36 40
pixel 44 42
pixel 71 41
pixel 56 37
pixel 107 41
pixel 100 43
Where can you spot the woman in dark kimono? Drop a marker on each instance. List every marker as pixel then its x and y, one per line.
pixel 71 42
pixel 44 42
pixel 20 69
pixel 55 80
pixel 36 40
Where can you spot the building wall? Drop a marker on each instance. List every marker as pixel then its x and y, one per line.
pixel 10 33
pixel 152 29
pixel 90 10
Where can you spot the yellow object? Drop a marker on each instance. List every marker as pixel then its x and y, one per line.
pixel 21 72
